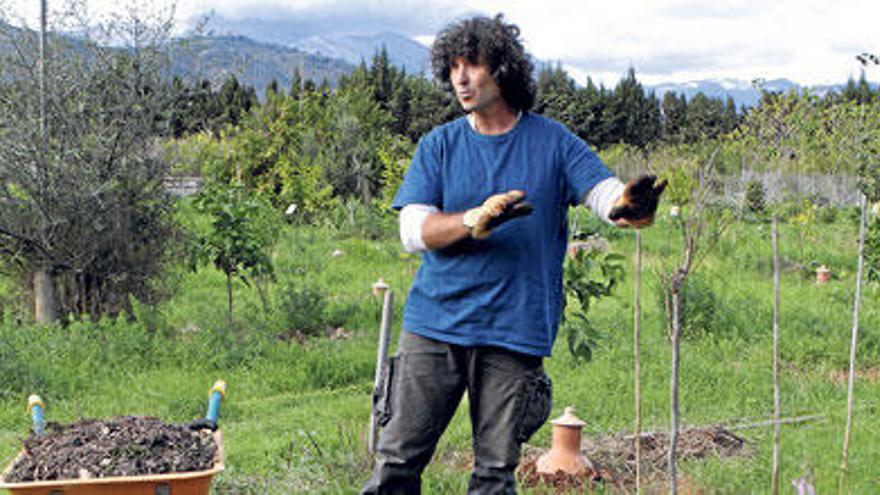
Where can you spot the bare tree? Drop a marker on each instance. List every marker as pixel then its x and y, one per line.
pixel 691 187
pixel 861 141
pixel 83 211
pixel 774 481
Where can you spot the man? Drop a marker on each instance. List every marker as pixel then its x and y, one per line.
pixel 486 200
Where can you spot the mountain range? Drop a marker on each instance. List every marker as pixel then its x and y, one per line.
pixel 258 51
pixel 407 53
pixel 352 47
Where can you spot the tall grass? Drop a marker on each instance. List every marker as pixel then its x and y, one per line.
pixel 297 411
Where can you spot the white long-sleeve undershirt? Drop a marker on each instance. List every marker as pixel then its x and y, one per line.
pixel 412 219
pixel 600 199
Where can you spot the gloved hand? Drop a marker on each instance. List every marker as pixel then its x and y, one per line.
pixel 638 202
pixel 497 209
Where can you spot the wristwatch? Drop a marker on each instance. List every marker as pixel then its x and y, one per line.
pixel 470 218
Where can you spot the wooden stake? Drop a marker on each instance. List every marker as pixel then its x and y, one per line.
pixel 638 359
pixel 852 348
pixel 673 383
pixel 774 483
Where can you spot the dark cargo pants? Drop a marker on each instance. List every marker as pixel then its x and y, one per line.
pixel 422 385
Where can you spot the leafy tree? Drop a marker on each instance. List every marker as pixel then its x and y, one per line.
pixel 278 151
pixel 83 210
pixel 589 275
pixel 395 155
pixel 754 199
pixel 359 126
pixel 872 249
pixel 239 243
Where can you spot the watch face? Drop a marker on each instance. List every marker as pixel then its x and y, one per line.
pixel 470 217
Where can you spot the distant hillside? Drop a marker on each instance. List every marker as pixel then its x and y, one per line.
pixel 402 51
pixel 253 63
pixel 742 92
pixel 343 42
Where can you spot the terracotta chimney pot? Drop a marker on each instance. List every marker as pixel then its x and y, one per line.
pixel 565 453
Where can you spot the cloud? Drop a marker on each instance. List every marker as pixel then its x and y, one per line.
pixel 315 17
pixel 804 40
pixel 692 9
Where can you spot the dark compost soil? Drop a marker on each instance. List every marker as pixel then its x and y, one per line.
pixel 123 446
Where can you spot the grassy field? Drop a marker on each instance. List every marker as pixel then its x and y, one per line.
pixel 298 405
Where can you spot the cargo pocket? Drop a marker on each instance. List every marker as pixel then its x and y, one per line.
pixel 534 403
pixel 382 393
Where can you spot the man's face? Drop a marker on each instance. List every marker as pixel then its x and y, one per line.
pixel 474 86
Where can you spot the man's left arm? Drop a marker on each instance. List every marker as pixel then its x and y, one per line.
pixel 637 203
pixel 625 205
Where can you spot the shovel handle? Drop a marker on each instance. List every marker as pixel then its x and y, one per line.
pixel 36 407
pixel 215 397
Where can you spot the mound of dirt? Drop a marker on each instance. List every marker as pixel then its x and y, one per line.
pixel 613 458
pixel 123 446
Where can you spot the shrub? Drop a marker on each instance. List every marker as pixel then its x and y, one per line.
pixel 700 308
pixel 755 197
pixel 872 250
pixel 303 308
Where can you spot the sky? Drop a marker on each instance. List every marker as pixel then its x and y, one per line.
pixel 810 42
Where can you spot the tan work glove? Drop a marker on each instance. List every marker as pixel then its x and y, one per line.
pixel 638 202
pixel 497 209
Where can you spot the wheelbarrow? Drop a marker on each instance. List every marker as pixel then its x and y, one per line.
pixel 184 483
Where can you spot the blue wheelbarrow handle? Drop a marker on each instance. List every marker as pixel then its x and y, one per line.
pixel 35 406
pixel 215 397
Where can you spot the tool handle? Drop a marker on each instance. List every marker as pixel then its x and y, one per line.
pixel 215 397
pixel 36 407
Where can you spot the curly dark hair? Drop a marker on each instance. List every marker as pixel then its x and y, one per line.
pixel 499 45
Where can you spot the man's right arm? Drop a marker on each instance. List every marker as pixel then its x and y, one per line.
pixel 443 229
pixel 424 227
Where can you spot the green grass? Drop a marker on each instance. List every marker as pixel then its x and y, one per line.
pixel 296 415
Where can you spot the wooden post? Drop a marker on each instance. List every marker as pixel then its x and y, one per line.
pixel 852 348
pixel 774 483
pixel 381 356
pixel 638 360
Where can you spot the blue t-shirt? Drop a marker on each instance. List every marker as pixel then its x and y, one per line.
pixel 506 290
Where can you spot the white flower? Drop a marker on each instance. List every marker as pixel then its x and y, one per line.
pixel 290 209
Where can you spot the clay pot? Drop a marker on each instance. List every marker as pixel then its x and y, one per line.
pixel 565 454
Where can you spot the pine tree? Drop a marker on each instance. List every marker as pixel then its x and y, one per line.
pixel 400 107
pixel 296 85
pixel 674 113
